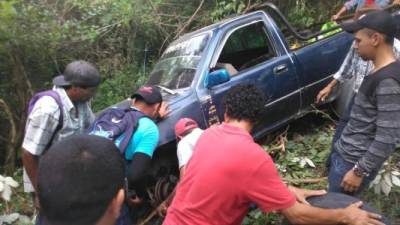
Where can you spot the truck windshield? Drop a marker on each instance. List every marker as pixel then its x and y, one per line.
pixel 177 66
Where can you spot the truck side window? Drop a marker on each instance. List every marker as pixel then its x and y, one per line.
pixel 247 47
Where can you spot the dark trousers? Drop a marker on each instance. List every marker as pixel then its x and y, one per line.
pixel 338 169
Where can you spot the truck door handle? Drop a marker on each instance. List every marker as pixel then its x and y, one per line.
pixel 280 69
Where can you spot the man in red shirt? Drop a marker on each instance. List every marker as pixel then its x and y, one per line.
pixel 228 171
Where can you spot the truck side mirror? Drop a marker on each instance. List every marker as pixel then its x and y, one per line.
pixel 216 77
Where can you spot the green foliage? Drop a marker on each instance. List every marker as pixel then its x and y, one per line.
pixel 118 87
pixel 7 15
pixel 46 35
pixel 258 217
pixel 311 138
pixel 226 8
pixel 294 162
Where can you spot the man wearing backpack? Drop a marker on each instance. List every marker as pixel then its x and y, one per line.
pixel 136 134
pixel 373 130
pixel 56 114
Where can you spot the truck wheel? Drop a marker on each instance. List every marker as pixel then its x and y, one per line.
pixel 334 200
pixel 164 174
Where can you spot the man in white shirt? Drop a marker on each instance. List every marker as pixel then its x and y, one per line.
pixel 187 133
pixel 51 120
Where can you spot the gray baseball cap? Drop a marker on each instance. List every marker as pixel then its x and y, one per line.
pixel 78 73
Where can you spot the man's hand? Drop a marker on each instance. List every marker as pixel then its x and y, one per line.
pixel 162 209
pixel 326 91
pixel 302 194
pixel 164 110
pixel 351 182
pixel 356 216
pixel 323 94
pixel 335 17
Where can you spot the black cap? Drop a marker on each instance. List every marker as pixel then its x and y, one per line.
pixel 379 21
pixel 78 178
pixel 150 95
pixel 78 73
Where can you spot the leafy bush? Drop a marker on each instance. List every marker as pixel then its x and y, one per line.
pixel 118 87
pixel 10 204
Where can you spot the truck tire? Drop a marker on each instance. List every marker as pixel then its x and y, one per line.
pixel 334 200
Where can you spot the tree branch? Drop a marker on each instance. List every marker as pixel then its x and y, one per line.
pixel 8 113
pixel 304 181
pixel 158 18
pixel 11 142
pixel 190 20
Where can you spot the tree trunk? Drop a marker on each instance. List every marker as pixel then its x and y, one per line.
pixel 15 114
pixel 11 140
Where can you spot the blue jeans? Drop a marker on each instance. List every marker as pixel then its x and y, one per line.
pixel 338 168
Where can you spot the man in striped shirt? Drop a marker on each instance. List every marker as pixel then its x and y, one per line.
pixel 75 88
pixel 358 5
pixel 373 130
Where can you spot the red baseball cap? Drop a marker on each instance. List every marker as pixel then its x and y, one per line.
pixel 184 126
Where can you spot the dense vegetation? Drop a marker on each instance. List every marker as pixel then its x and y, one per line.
pixel 123 38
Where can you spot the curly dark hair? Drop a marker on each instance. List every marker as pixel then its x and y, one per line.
pixel 244 102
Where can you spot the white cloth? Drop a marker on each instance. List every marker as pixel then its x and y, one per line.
pixel 186 146
pixel 43 121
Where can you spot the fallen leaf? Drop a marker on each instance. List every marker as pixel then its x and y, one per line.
pixel 310 163
pixel 396 180
pixel 385 188
pixel 6 194
pixel 11 182
pixel 388 180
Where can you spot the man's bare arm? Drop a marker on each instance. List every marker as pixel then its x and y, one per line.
pixel 352 215
pixel 31 164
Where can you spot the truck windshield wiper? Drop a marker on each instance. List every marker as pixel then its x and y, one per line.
pixel 169 91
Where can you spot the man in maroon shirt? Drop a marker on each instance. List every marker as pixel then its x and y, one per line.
pixel 228 171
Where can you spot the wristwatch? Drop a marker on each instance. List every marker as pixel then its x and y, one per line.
pixel 359 172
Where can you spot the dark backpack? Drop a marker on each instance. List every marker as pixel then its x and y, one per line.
pixel 57 98
pixel 114 122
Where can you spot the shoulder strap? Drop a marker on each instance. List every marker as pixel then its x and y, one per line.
pixel 56 98
pixel 135 116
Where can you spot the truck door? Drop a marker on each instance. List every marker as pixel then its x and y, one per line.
pixel 248 53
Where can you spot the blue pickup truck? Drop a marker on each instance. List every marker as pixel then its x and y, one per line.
pixel 196 71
